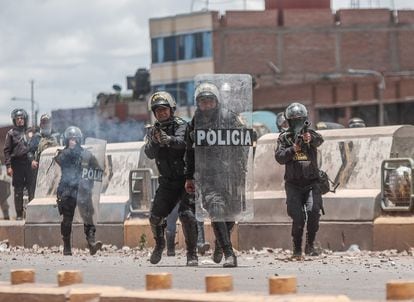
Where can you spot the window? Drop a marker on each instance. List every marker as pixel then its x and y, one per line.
pixel 198 44
pixel 331 114
pixel 181 47
pixel 189 47
pixel 157 50
pixel 170 51
pixel 207 44
pixel 183 92
pixel 368 113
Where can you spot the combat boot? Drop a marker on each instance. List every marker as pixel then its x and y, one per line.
pixel 309 247
pixel 217 253
pixel 222 232
pixel 158 249
pixel 230 261
pixel 192 259
pixel 93 245
pixel 297 249
pixel 170 244
pixel 202 245
pixel 189 226
pixel 6 215
pixel 67 248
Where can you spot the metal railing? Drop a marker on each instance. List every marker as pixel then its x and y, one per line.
pixel 142 186
pixel 397 192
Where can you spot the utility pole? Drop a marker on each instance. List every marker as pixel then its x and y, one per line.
pixel 32 103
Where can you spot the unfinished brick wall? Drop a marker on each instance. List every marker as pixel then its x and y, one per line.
pixel 365 49
pixel 305 44
pixel 305 17
pixel 311 52
pixel 406 17
pixel 292 4
pixel 250 18
pixel 406 49
pixel 349 17
pixel 247 52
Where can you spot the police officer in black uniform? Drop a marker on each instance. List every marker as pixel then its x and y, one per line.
pixel 297 150
pixel 356 122
pixel 40 141
pixel 216 193
pixel 281 122
pixel 71 161
pixel 165 143
pixel 18 159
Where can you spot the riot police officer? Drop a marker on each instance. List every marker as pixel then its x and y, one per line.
pixel 71 161
pixel 356 122
pixel 297 150
pixel 18 159
pixel 281 122
pixel 41 141
pixel 215 192
pixel 165 143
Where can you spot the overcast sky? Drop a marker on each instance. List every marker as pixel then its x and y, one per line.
pixel 74 49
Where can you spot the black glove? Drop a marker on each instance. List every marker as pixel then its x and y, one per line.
pixel 165 139
pixel 152 136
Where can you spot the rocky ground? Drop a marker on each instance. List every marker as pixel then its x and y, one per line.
pixel 357 274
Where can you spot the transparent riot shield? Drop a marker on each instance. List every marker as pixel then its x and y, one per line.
pixel 90 182
pixel 48 175
pixel 223 143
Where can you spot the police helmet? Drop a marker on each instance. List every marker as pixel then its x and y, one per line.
pixel 280 120
pixel 356 122
pixel 44 118
pixel 206 90
pixel 72 132
pixel 162 99
pixel 296 110
pixel 45 124
pixel 296 115
pixel 19 113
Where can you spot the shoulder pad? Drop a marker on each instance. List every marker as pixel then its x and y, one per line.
pixel 179 120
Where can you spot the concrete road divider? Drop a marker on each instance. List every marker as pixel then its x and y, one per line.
pixel 219 283
pixel 158 281
pixel 400 290
pixel 282 285
pixel 69 277
pixel 18 276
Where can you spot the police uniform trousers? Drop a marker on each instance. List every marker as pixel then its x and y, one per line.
pixel 303 204
pixel 169 193
pixel 67 208
pixel 22 178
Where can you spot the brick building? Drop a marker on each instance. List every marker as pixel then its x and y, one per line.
pixel 296 50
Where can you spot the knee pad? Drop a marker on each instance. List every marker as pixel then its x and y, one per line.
pixel 18 192
pixel 157 221
pixel 187 216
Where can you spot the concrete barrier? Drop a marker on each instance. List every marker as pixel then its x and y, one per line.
pixel 352 157
pixel 42 225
